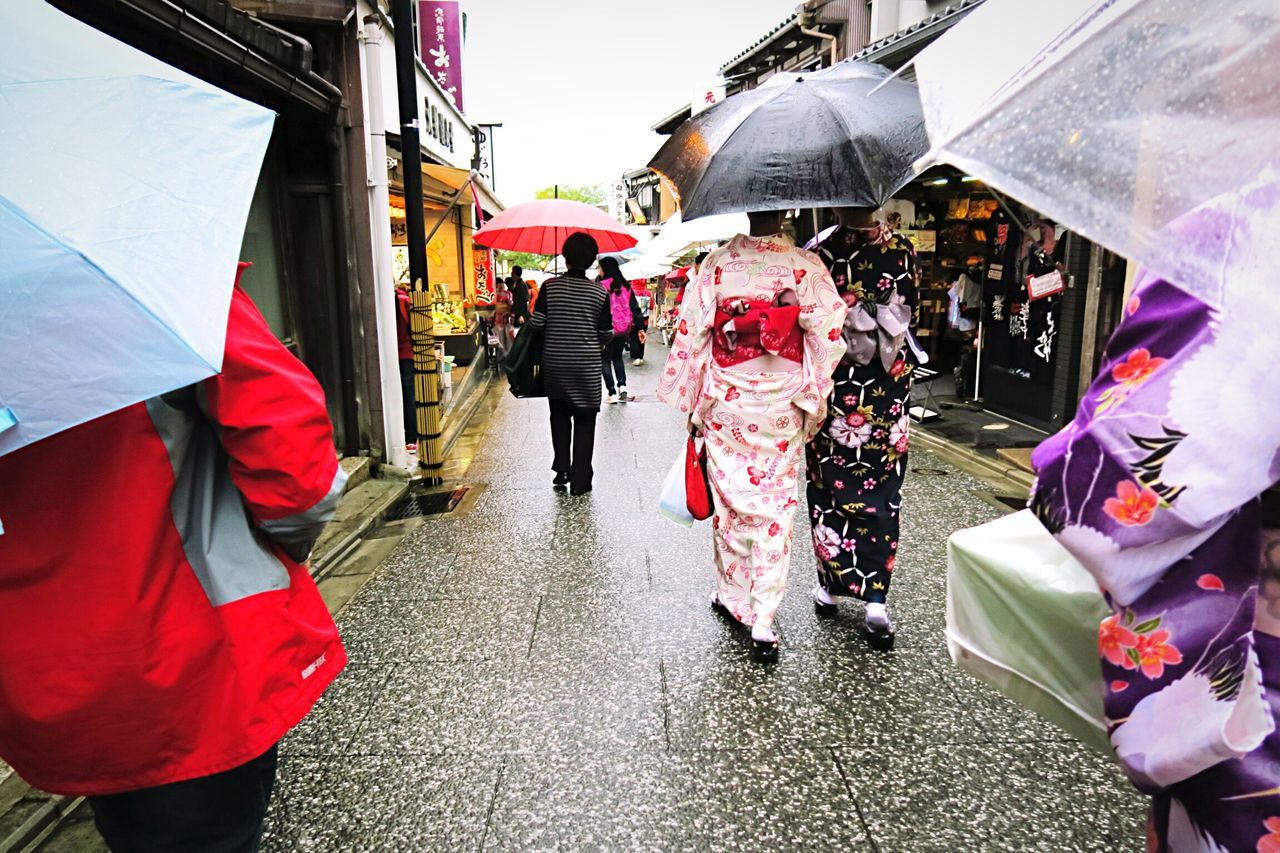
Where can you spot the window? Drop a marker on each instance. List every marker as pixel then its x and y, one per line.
pixel 263 281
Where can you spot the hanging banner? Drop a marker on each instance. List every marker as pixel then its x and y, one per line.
pixel 483 261
pixel 440 29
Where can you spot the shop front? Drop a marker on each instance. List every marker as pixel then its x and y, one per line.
pixel 459 273
pixel 1006 297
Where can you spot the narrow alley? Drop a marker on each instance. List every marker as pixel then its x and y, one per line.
pixel 543 672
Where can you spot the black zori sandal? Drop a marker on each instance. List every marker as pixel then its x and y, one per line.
pixel 879 637
pixel 762 652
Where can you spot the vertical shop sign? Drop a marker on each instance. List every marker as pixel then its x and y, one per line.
pixel 440 27
pixel 483 260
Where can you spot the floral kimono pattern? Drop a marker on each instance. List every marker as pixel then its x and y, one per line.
pixel 755 423
pixel 858 461
pixel 1155 488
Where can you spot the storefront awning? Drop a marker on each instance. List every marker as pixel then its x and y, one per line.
pixel 456 179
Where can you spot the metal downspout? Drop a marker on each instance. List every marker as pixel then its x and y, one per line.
pixel 819 34
pixel 384 273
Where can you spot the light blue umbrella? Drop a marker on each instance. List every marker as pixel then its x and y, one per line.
pixel 124 189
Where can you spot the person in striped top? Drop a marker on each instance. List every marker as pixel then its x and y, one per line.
pixel 573 313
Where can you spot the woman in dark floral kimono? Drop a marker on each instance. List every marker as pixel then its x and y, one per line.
pixel 858 461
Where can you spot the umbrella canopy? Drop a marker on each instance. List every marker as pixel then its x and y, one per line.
pixel 679 236
pixel 810 140
pixel 124 189
pixel 644 267
pixel 540 227
pixel 1185 111
pixel 676 275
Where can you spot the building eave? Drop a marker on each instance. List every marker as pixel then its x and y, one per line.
pixel 896 49
pixel 668 124
pixel 783 29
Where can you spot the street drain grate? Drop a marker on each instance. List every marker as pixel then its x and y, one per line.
pixel 421 504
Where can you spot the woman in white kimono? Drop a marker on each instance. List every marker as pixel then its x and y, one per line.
pixel 751 364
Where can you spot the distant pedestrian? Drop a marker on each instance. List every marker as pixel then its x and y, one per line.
pixel 758 338
pixel 624 311
pixel 640 334
pixel 503 319
pixel 155 650
pixel 519 295
pixel 574 313
pixel 404 350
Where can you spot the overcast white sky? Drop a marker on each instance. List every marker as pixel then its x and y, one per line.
pixel 578 83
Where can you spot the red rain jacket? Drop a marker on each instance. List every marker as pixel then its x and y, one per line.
pixel 153 625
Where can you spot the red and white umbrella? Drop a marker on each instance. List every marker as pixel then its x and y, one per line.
pixel 540 227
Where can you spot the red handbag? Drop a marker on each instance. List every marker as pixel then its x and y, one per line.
pixel 697 486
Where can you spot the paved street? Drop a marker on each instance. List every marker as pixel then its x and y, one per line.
pixel 543 672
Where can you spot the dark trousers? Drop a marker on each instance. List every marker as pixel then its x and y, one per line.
pixel 410 407
pixel 573 436
pixel 615 364
pixel 637 347
pixel 223 813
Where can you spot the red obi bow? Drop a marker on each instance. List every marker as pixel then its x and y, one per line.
pixel 747 329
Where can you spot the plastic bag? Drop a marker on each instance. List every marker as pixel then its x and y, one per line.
pixel 1023 616
pixel 672 503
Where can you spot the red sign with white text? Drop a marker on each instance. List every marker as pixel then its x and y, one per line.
pixel 440 28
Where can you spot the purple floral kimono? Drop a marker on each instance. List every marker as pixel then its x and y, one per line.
pixel 1156 488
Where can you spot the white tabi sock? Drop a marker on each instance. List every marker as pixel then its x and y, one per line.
pixel 878 614
pixel 821 596
pixel 763 633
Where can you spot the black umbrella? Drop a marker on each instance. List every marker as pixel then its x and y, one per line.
pixel 800 140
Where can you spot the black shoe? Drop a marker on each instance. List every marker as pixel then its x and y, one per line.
pixel 723 612
pixel 560 481
pixel 879 637
pixel 579 491
pixel 826 611
pixel 764 652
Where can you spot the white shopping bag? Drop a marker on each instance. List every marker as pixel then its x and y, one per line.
pixel 1023 616
pixel 673 504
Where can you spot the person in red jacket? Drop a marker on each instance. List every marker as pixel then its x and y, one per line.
pixel 404 350
pixel 160 630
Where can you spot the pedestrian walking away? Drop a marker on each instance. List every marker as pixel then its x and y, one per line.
pixel 640 333
pixel 857 462
pixel 151 662
pixel 624 311
pixel 503 319
pixel 576 322
pixel 751 364
pixel 519 295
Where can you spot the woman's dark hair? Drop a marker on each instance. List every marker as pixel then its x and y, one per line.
pixel 580 250
pixel 611 270
pixel 702 256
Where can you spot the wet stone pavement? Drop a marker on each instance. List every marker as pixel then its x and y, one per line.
pixel 544 672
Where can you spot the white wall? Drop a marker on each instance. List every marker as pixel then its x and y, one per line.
pixel 890 16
